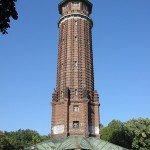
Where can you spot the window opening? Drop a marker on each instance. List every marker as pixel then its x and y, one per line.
pixel 75 3
pixel 84 7
pixel 76 124
pixel 76 38
pixel 76 92
pixel 62 66
pixel 65 6
pixel 75 108
pixel 76 63
pixel 76 23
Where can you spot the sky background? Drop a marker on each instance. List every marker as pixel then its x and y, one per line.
pixel 28 61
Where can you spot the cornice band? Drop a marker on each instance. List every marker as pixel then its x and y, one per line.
pixel 75 15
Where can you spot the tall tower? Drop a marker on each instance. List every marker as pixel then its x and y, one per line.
pixel 75 103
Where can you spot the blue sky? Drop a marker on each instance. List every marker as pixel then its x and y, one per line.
pixel 28 59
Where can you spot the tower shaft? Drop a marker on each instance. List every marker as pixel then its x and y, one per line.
pixel 75 104
pixel 75 58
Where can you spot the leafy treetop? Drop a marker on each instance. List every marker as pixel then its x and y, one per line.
pixel 7 10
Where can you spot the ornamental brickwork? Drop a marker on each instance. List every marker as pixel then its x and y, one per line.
pixel 75 103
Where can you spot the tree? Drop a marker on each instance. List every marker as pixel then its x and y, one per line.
pixel 116 133
pixel 4 143
pixel 24 138
pixel 7 10
pixel 122 137
pixel 134 134
pixel 107 132
pixel 139 130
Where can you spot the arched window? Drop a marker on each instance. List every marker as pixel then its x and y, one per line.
pixel 76 38
pixel 76 63
pixel 63 40
pixel 76 23
pixel 76 92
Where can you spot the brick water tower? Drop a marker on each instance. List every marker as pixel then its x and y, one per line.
pixel 75 102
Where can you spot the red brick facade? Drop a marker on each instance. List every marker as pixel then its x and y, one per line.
pixel 75 103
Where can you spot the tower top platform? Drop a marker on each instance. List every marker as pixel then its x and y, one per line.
pixel 63 2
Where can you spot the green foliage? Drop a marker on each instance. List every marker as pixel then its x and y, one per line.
pixel 20 139
pixel 7 10
pixel 107 132
pixel 139 130
pixel 5 143
pixel 116 133
pixel 134 134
